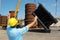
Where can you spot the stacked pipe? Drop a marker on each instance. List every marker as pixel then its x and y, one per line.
pixel 4 20
pixel 28 13
pixel 11 13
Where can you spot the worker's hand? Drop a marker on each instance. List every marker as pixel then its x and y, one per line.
pixel 35 19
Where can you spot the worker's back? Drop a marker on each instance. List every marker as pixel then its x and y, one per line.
pixel 16 33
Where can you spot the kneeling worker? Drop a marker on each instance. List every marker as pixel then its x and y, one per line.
pixel 17 33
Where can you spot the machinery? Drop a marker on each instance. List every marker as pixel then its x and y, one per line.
pixel 44 17
pixel 3 19
pixel 17 8
pixel 14 13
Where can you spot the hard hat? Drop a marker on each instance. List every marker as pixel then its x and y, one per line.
pixel 12 21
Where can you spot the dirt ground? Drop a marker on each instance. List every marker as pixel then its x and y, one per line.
pixel 54 35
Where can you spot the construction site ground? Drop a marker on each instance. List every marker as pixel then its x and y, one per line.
pixel 34 35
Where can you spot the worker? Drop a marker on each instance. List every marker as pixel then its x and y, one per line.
pixel 17 33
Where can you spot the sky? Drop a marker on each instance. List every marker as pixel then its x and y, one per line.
pixel 10 5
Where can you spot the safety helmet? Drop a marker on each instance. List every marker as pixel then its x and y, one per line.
pixel 12 21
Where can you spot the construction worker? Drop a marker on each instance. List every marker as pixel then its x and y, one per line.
pixel 17 33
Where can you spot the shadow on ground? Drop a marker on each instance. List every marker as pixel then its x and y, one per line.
pixel 39 30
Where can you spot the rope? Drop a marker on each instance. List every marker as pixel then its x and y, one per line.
pixel 56 8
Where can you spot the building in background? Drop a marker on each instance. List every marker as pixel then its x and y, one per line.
pixel 0 18
pixel 3 21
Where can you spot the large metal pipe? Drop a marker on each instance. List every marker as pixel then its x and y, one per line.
pixel 28 15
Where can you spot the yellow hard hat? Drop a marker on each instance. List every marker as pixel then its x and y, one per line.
pixel 12 21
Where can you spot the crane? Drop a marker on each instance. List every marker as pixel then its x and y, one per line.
pixel 17 8
pixel 56 7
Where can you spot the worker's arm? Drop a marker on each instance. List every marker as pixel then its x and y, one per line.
pixel 31 24
pixel 26 28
